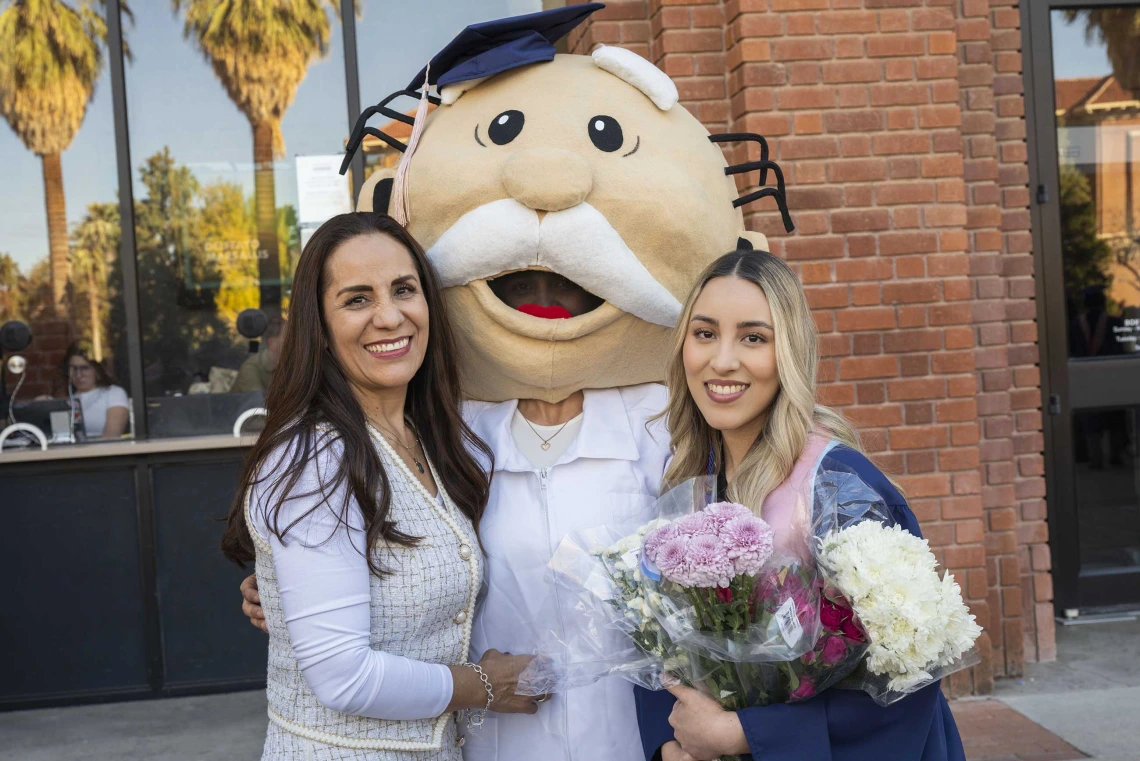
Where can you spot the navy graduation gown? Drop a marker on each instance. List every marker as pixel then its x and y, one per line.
pixel 836 725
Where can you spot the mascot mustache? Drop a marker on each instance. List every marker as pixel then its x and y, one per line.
pixel 578 243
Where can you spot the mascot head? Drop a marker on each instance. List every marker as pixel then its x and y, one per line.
pixel 568 203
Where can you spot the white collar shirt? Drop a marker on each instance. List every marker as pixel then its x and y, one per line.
pixel 611 471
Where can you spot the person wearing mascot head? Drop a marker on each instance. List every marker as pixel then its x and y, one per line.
pixel 567 202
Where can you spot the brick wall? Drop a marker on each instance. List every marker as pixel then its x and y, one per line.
pixel 45 354
pixel 899 125
pixel 621 22
pixel 1001 266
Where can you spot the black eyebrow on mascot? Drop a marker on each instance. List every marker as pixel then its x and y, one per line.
pixel 586 166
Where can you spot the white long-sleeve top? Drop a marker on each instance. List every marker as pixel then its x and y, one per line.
pixel 323 581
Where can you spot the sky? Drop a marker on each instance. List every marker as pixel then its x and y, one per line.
pixel 174 100
pixel 1078 58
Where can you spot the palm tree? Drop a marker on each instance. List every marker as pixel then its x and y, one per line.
pixel 10 286
pixel 95 243
pixel 50 57
pixel 261 51
pixel 1119 30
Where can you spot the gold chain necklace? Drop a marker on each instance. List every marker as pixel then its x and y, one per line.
pixel 545 442
pixel 391 436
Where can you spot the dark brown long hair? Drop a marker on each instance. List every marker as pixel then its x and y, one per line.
pixel 311 406
pixel 102 377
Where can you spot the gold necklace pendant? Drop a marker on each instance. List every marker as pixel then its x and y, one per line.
pixel 411 451
pixel 545 442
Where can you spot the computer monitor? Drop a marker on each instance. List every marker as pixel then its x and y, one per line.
pixel 199 414
pixel 40 413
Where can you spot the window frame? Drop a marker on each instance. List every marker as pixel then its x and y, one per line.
pixel 128 244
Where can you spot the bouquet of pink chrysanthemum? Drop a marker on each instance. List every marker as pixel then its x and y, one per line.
pixel 749 619
pixel 711 560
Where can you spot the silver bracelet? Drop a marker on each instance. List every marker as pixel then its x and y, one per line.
pixel 475 716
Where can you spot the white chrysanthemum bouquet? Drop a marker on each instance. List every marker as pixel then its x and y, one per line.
pixel 916 622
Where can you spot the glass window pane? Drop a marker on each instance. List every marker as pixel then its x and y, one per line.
pixel 59 229
pixel 395 40
pixel 1096 70
pixel 235 152
pixel 1107 471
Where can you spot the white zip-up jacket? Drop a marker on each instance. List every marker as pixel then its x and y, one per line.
pixel 613 468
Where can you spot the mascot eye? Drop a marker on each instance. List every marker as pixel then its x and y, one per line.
pixel 506 127
pixel 605 133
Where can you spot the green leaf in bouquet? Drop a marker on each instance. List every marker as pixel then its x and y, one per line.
pixel 793 679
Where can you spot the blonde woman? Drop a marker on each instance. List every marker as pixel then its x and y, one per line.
pixel 742 405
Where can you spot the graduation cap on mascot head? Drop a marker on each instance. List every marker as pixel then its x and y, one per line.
pixel 492 47
pixel 479 51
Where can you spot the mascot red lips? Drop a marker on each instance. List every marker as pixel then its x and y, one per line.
pixel 552 312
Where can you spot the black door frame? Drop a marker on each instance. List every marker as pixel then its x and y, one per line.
pixel 1065 386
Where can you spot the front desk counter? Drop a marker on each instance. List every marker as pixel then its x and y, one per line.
pixel 115 586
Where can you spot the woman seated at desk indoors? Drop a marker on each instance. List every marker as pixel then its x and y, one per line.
pixel 106 410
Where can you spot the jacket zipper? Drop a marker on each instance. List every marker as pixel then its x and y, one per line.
pixel 542 477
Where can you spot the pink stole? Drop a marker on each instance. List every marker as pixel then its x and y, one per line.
pixel 787 508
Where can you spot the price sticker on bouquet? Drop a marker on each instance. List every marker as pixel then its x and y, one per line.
pixel 789 622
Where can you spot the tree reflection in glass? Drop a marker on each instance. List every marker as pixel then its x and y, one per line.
pixel 1097 88
pixel 51 56
pixel 260 52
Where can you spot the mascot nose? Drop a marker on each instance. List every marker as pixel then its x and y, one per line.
pixel 548 180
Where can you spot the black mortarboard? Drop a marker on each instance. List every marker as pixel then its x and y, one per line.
pixel 496 46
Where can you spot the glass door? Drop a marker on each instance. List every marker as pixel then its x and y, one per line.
pixel 1086 95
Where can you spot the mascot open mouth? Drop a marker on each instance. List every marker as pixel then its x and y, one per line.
pixel 494 246
pixel 543 294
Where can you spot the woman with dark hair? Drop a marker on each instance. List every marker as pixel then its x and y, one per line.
pixel 359 504
pixel 105 408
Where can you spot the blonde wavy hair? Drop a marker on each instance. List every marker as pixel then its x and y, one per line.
pixel 793 414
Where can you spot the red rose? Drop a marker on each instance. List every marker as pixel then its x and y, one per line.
pixel 805 689
pixel 834 651
pixel 832 616
pixel 724 594
pixel 853 631
pixel 767 588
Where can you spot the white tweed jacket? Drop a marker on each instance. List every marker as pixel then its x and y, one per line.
pixel 423 610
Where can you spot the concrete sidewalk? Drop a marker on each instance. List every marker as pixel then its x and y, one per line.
pixel 1084 705
pixel 1091 695
pixel 208 728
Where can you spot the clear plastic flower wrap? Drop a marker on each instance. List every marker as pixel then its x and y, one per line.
pixel 731 593
pixel 608 628
pixel 827 591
